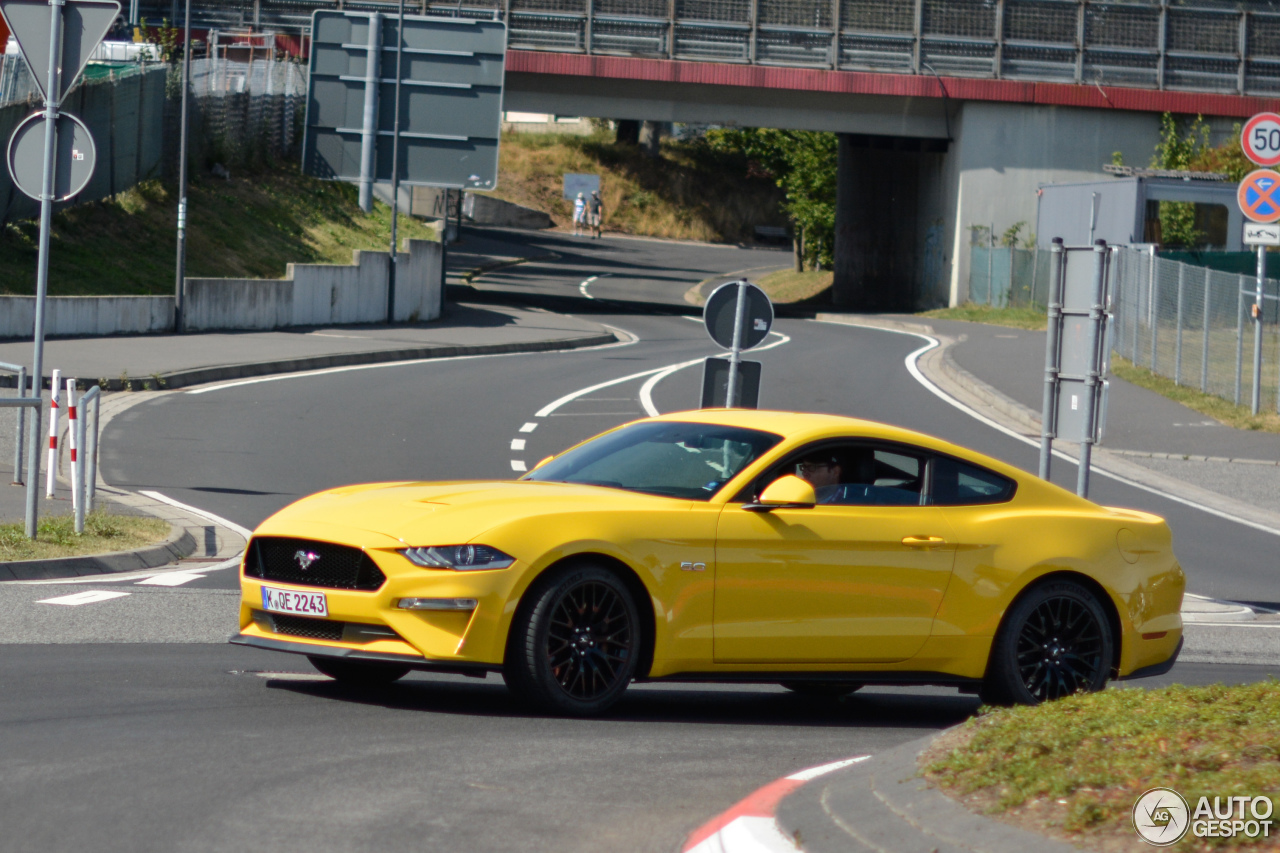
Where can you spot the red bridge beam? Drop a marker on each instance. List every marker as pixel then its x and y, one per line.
pixel 900 85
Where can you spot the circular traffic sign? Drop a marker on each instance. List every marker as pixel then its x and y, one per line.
pixel 1259 196
pixel 76 156
pixel 721 312
pixel 1260 139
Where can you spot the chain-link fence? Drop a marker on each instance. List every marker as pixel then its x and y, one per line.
pixel 1194 325
pixel 1009 278
pixel 246 112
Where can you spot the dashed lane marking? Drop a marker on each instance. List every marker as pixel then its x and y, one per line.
pixel 518 465
pixel 517 444
pixel 170 579
pixel 89 596
pixel 529 427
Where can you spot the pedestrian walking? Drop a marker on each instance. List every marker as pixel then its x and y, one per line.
pixel 579 214
pixel 595 213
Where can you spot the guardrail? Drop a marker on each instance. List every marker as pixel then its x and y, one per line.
pixel 1188 45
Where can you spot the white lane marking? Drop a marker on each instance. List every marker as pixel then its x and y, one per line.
pixel 518 465
pixel 170 579
pixel 582 288
pixel 824 769
pixel 529 427
pixel 913 357
pixel 646 390
pixel 129 575
pixel 517 444
pixel 89 596
pixel 208 516
pixel 582 392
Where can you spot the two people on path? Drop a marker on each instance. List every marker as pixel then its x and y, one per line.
pixel 589 212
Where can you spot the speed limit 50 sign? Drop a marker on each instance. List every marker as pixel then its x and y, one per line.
pixel 1260 139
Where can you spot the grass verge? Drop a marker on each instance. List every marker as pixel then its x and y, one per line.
pixel 103 533
pixel 1018 318
pixel 786 286
pixel 1074 768
pixel 688 193
pixel 249 227
pixel 1206 404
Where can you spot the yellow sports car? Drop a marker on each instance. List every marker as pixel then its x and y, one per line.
pixel 815 551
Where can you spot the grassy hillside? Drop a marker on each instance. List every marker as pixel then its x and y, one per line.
pixel 250 226
pixel 689 193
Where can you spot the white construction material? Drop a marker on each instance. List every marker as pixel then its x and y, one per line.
pixel 72 443
pixel 51 474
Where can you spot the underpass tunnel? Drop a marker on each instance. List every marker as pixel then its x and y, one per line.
pixel 890 252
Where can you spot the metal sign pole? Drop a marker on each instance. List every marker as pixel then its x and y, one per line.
pixel 735 354
pixel 369 122
pixel 1257 328
pixel 395 172
pixel 1048 423
pixel 52 92
pixel 179 284
pixel 1097 314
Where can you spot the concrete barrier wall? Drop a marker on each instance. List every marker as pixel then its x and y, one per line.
pixel 311 295
pixel 86 315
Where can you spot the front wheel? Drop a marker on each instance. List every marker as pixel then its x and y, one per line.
pixel 574 646
pixel 358 673
pixel 1055 641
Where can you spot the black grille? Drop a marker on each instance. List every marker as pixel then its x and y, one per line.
pixel 301 626
pixel 280 558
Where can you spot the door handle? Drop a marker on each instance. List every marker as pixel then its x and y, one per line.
pixel 923 541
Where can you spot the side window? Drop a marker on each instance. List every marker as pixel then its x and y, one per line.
pixel 957 483
pixel 861 475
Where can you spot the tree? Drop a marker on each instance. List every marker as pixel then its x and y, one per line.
pixel 1177 150
pixel 803 163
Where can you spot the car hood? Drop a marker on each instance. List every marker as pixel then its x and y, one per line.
pixel 416 513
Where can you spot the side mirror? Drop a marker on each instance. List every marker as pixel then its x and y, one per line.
pixel 787 492
pixel 544 461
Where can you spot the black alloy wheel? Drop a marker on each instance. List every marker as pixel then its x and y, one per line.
pixel 1055 641
pixel 827 689
pixel 358 673
pixel 573 649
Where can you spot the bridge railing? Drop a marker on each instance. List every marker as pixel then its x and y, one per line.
pixel 1227 46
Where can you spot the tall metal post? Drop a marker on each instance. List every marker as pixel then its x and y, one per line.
pixel 42 262
pixel 1257 328
pixel 395 173
pixel 1047 419
pixel 180 275
pixel 1177 341
pixel 1239 336
pixel 1097 315
pixel 1204 336
pixel 1153 312
pixel 735 355
pixel 369 125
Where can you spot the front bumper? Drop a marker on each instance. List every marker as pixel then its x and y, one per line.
pixel 412 661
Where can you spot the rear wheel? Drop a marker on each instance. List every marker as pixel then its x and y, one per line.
pixel 358 673
pixel 831 689
pixel 573 649
pixel 1055 641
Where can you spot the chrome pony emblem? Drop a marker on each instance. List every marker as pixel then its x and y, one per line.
pixel 304 559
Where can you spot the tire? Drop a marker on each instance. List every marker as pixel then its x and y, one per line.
pixel 1056 640
pixel 829 689
pixel 358 673
pixel 575 642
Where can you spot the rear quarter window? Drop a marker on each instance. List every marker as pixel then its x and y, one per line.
pixel 957 483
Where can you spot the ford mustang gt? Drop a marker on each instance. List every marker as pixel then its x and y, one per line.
pixel 818 552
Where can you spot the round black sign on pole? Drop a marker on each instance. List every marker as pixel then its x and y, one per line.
pixel 76 155
pixel 721 311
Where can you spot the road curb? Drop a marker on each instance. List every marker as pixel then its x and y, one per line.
pixel 883 804
pixel 750 825
pixel 222 373
pixel 179 545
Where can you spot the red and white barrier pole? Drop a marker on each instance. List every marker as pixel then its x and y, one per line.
pixel 73 442
pixel 52 474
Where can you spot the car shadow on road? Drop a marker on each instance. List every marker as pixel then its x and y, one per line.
pixel 651 703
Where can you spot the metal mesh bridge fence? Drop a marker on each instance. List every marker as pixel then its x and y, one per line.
pixel 1189 45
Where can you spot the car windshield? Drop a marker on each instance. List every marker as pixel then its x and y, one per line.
pixel 679 460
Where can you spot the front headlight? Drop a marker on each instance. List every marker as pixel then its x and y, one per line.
pixel 463 558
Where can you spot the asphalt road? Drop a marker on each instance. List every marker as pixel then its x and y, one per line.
pixel 127 726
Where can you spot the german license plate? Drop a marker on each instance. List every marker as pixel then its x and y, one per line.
pixel 291 601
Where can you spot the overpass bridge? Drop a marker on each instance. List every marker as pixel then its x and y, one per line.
pixel 951 112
